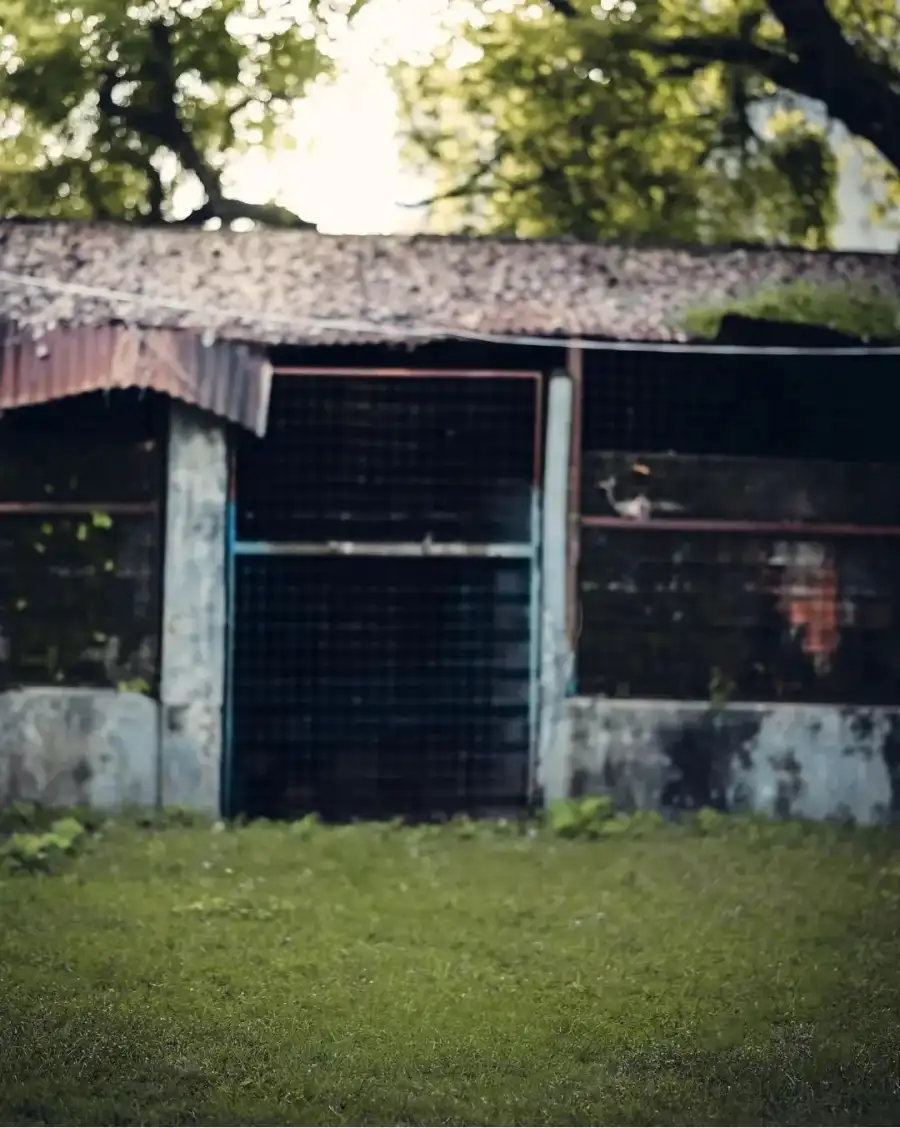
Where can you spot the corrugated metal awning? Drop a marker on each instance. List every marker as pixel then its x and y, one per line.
pixel 229 379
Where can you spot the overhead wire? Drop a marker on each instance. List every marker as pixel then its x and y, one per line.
pixel 405 331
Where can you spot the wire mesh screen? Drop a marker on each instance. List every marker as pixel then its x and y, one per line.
pixel 380 687
pixel 758 406
pixel 79 600
pixel 84 449
pixel 386 458
pixel 730 507
pixel 80 485
pixel 737 616
pixel 752 491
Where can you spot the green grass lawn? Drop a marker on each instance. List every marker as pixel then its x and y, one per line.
pixel 270 975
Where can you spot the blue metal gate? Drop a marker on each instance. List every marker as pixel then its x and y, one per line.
pixel 384 561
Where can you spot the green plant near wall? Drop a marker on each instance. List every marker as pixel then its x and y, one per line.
pixel 863 313
pixel 721 687
pixel 42 851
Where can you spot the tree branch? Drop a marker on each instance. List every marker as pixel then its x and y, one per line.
pixel 94 196
pixel 156 192
pixel 703 50
pixel 819 62
pixel 227 209
pixel 859 91
pixel 162 123
pixel 564 7
pixel 851 93
pixel 471 186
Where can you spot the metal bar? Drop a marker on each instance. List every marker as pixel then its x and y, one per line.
pixel 575 368
pixel 785 528
pixel 555 649
pixel 473 373
pixel 396 548
pixel 534 644
pixel 538 429
pixel 535 589
pixel 62 508
pixel 228 805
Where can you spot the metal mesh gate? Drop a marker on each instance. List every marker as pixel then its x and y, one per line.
pixel 384 592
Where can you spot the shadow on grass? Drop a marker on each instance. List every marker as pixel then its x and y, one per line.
pixel 787 1079
pixel 93 1068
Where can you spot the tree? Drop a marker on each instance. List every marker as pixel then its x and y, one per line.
pixel 656 118
pixel 110 107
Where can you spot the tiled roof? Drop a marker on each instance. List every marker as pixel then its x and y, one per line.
pixel 278 286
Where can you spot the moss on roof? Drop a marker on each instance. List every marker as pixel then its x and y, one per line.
pixel 286 286
pixel 865 312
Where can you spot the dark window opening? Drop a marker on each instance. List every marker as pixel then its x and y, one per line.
pixel 385 684
pixel 381 687
pixel 81 484
pixel 770 573
pixel 743 617
pixel 834 408
pixel 391 459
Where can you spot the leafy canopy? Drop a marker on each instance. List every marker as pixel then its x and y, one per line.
pixel 655 118
pixel 109 107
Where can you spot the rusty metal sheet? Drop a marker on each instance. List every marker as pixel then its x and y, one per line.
pixel 229 379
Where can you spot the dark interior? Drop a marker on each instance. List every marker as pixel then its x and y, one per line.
pixel 753 601
pixel 380 687
pixel 81 499
pixel 384 685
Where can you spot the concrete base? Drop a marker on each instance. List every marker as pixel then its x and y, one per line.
pixel 73 747
pixel 802 761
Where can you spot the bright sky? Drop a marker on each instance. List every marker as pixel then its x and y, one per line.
pixel 346 174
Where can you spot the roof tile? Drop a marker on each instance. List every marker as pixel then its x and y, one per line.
pixel 278 286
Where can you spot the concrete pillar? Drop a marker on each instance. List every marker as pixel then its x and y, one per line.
pixel 556 657
pixel 194 611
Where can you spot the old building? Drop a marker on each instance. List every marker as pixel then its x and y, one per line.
pixel 373 525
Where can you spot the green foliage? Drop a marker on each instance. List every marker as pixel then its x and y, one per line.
pixel 43 851
pixel 579 818
pixel 867 314
pixel 595 126
pixel 19 816
pixel 60 549
pixel 721 687
pixel 596 817
pixel 110 108
pixel 34 818
pixel 709 821
pixel 134 685
pixel 38 839
pixel 306 827
pixel 374 976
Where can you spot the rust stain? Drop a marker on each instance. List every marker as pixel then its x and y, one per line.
pixel 226 378
pixel 809 599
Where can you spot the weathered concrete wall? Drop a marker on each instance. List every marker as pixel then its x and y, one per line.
pixel 804 761
pixel 194 612
pixel 72 747
pixel 108 749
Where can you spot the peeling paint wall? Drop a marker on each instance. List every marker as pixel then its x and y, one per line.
pixel 802 761
pixel 78 747
pixel 194 611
